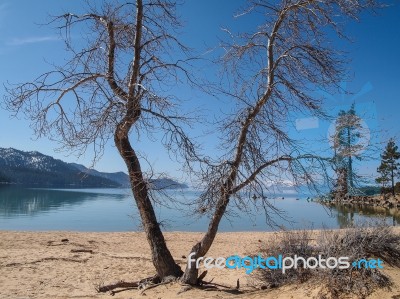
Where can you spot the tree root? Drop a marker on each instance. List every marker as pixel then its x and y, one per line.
pixel 184 289
pixel 202 276
pixel 127 285
pixel 154 281
pixel 209 286
pixel 151 286
pixel 120 284
pixel 141 285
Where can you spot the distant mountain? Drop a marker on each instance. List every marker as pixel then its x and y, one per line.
pixel 167 183
pixel 120 178
pixel 36 169
pixel 123 179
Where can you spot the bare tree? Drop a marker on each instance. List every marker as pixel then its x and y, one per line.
pixel 273 72
pixel 116 83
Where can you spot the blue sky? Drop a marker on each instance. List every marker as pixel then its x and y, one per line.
pixel 26 47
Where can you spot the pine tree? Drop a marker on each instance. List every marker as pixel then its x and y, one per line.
pixel 390 167
pixel 384 178
pixel 347 132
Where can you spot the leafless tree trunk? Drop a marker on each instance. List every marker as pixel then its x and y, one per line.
pixel 113 87
pixel 274 71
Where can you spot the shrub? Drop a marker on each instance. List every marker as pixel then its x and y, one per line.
pixel 290 243
pixel 358 242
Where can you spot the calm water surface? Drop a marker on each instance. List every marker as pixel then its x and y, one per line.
pixel 114 210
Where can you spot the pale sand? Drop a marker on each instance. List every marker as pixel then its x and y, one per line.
pixel 39 265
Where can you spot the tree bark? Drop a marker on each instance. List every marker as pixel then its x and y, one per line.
pixel 393 191
pixel 350 162
pixel 161 256
pixel 202 247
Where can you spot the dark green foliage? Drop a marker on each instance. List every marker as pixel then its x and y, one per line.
pixel 60 178
pixel 369 190
pixel 390 167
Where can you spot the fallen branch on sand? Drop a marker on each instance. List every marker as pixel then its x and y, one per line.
pixel 168 280
pixel 209 286
pixel 127 285
pixel 82 250
pixel 154 281
pixel 48 259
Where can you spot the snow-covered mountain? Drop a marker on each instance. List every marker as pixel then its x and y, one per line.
pixel 13 158
pixel 36 169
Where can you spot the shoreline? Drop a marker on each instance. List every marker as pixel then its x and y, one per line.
pixel 42 265
pixel 376 201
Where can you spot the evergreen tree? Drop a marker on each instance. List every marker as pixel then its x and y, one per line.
pixel 384 178
pixel 348 130
pixel 390 167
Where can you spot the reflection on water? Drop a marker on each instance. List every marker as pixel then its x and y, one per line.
pixel 21 201
pixel 114 210
pixel 347 214
pixel 75 210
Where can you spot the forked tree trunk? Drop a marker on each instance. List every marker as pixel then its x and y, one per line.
pixel 201 248
pixel 161 256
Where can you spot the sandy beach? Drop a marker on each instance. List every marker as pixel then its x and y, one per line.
pixel 40 265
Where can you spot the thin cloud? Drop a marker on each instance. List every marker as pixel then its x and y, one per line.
pixel 31 40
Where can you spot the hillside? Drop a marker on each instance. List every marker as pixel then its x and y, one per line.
pixel 123 179
pixel 38 170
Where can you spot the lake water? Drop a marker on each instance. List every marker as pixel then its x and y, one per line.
pixel 114 210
